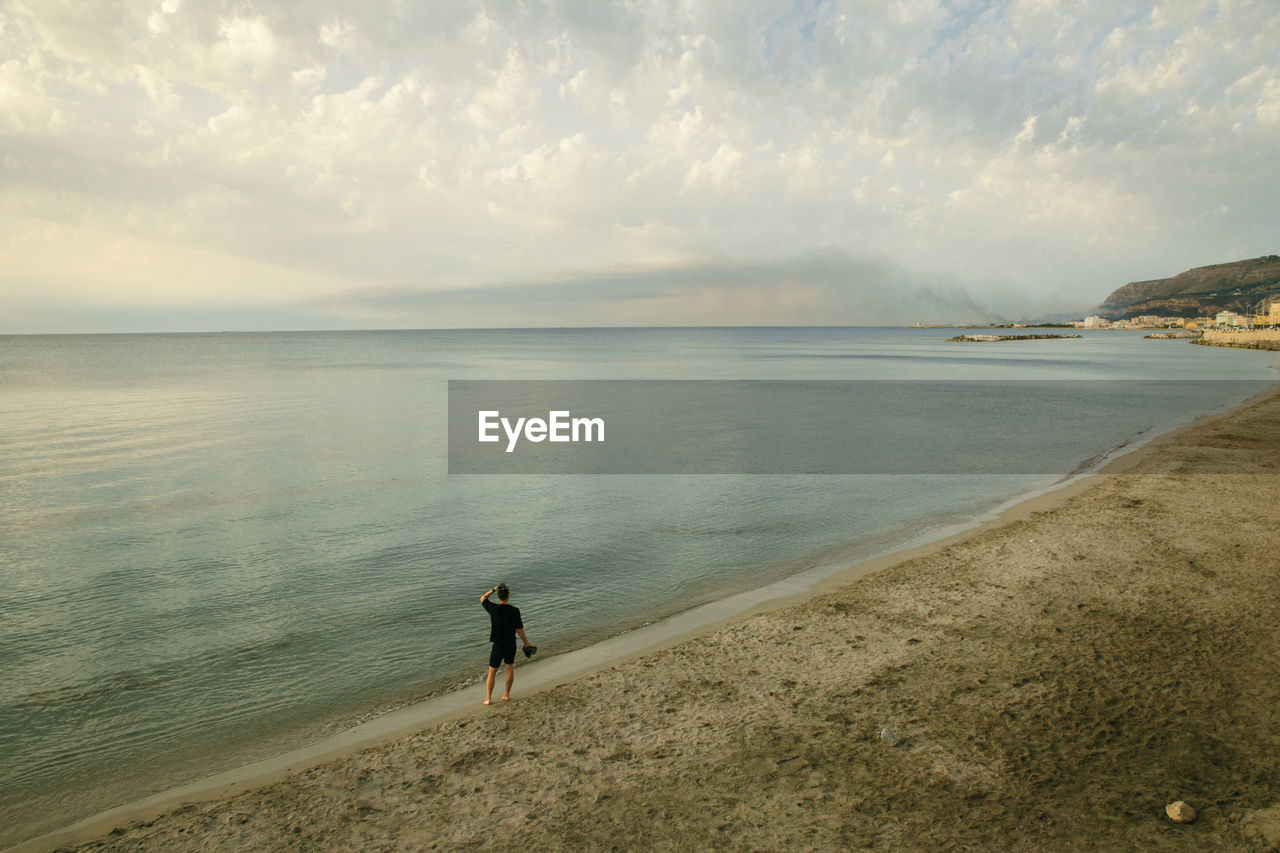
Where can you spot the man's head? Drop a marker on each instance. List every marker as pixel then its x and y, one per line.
pixel 503 592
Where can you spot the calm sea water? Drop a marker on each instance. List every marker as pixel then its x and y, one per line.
pixel 218 546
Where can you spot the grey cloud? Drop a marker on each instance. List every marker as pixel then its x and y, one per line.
pixel 840 289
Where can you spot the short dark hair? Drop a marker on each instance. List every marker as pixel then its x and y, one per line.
pixel 503 592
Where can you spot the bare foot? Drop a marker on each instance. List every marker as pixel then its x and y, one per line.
pixel 506 698
pixel 488 701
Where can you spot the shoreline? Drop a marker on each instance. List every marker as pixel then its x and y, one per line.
pixel 699 623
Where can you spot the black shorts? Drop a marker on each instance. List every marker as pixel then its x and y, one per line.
pixel 502 653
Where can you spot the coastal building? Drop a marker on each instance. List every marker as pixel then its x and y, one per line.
pixel 1156 321
pixel 1225 318
pixel 1095 322
pixel 1273 316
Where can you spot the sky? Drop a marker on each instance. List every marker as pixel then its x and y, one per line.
pixel 173 165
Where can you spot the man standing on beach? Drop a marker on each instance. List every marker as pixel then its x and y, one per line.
pixel 504 624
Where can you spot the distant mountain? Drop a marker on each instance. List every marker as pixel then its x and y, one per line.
pixel 1201 292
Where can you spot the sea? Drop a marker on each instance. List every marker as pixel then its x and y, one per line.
pixel 216 547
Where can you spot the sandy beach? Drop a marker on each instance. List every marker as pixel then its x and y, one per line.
pixel 1048 683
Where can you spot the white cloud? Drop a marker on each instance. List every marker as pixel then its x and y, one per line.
pixel 338 35
pixel 717 173
pixel 24 106
pixel 247 41
pixel 1268 109
pixel 1028 133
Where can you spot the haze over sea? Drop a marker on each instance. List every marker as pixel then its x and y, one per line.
pixel 219 546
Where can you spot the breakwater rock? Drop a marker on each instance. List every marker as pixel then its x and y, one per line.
pixel 1165 336
pixel 968 339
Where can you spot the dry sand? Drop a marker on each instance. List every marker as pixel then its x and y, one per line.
pixel 1053 682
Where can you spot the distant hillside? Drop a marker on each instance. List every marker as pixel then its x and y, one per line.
pixel 1203 291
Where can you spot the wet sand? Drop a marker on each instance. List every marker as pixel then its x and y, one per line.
pixel 1048 683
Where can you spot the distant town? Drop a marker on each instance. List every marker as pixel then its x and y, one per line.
pixel 1266 317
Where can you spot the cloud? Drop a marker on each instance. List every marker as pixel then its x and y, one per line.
pixel 816 289
pixel 1029 152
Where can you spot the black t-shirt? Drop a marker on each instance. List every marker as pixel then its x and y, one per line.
pixel 504 620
